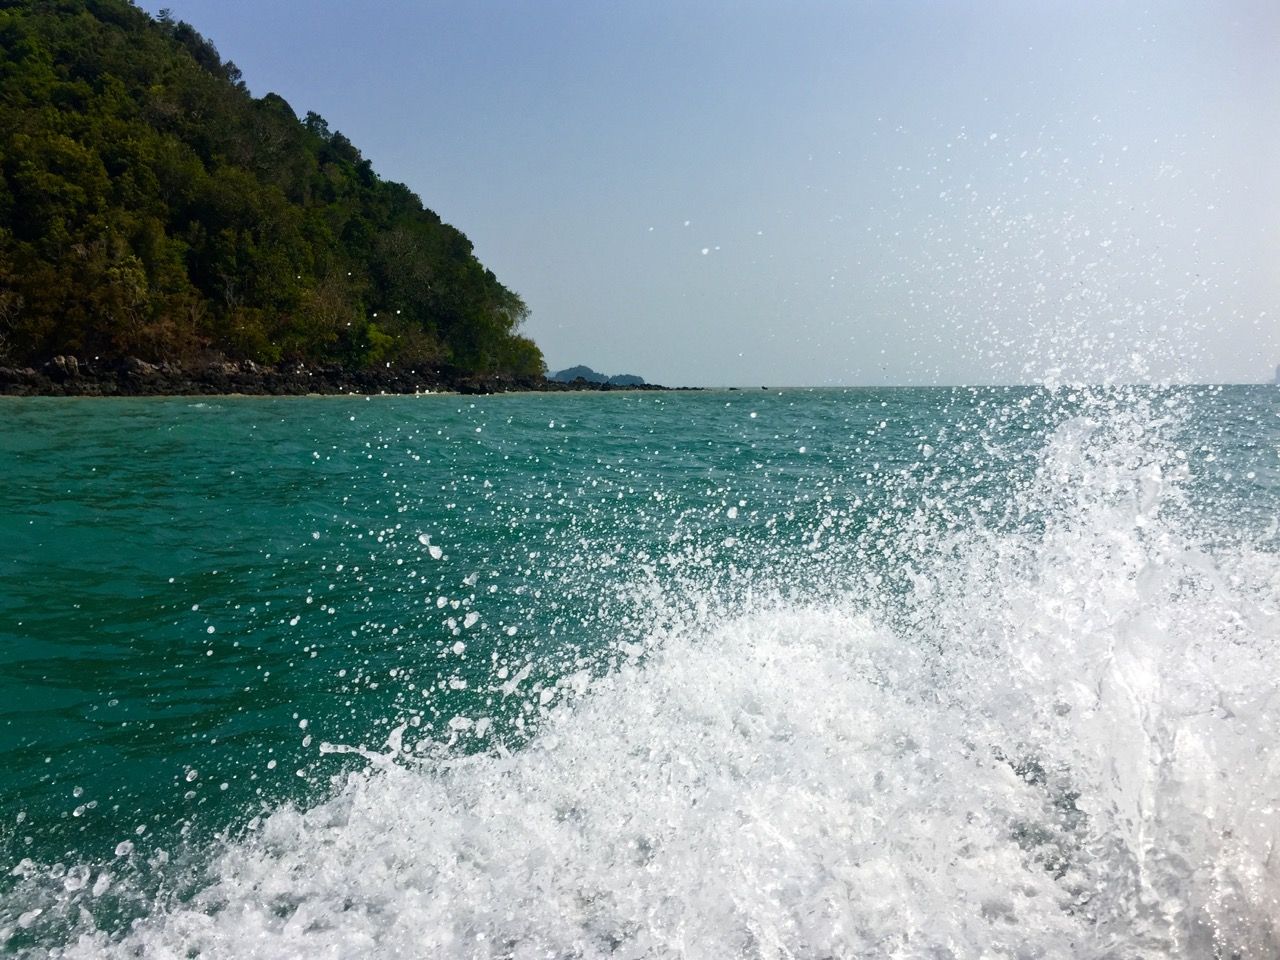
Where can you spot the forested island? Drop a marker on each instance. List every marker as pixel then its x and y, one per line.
pixel 163 230
pixel 585 373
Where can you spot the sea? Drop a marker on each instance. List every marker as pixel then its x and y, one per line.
pixel 939 673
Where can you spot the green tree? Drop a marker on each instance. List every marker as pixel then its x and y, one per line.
pixel 150 206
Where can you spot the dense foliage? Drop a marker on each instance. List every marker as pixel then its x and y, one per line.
pixel 150 206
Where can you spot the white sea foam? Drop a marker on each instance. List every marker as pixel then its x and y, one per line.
pixel 1058 743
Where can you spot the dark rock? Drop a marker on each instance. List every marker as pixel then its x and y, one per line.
pixel 132 376
pixel 134 367
pixel 63 368
pixel 17 375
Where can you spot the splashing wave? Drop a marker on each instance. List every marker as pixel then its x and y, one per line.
pixel 1057 742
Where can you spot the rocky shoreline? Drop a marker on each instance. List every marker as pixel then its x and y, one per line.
pixel 67 376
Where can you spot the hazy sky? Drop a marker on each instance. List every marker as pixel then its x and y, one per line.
pixel 740 192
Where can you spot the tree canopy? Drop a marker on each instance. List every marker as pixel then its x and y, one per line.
pixel 150 206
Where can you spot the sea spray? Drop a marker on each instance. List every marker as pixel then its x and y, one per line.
pixel 1120 658
pixel 1026 721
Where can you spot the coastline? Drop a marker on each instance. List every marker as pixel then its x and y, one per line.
pixel 66 376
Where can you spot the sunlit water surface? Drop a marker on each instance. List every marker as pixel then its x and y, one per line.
pixel 867 673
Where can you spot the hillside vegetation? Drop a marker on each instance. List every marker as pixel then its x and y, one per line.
pixel 151 207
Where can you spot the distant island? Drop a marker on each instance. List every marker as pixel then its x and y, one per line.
pixel 162 230
pixel 587 375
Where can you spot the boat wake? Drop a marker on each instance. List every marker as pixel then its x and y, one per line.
pixel 1055 739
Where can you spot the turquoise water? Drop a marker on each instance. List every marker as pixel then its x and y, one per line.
pixel 730 673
